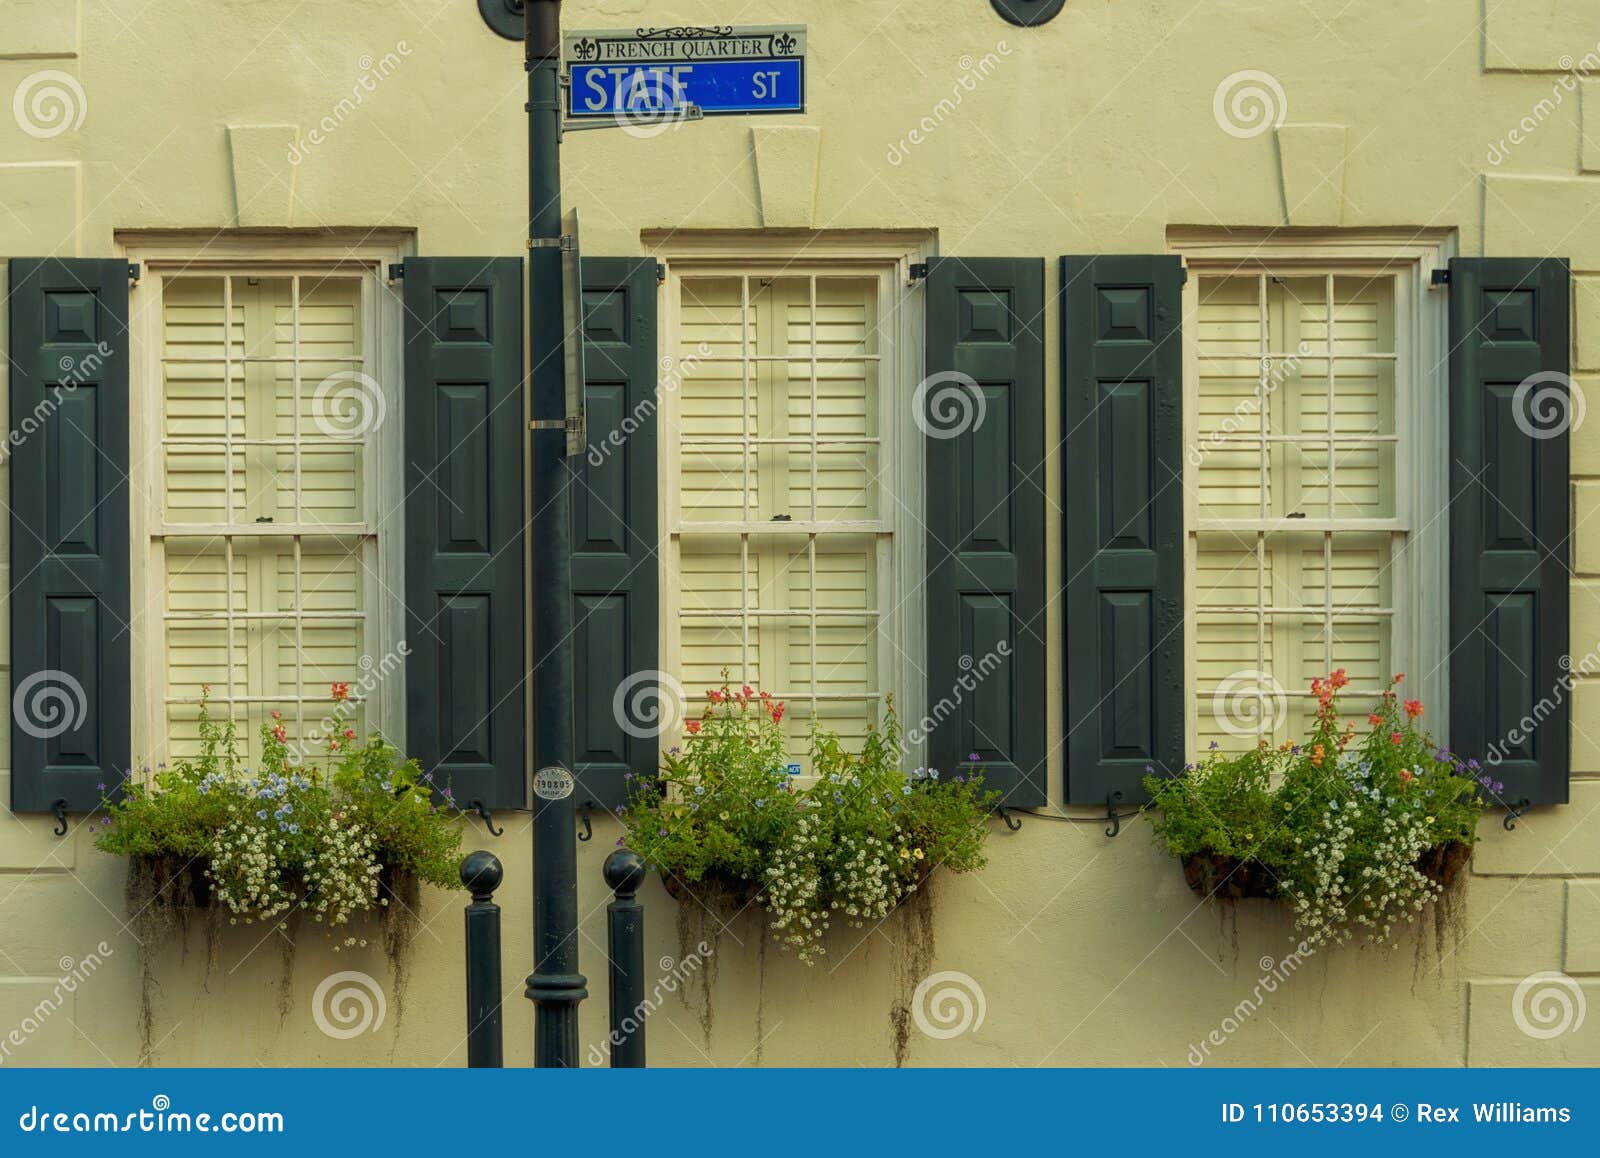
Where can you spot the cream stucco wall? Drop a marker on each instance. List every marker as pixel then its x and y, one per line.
pixel 1093 133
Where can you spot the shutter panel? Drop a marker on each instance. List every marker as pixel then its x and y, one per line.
pixel 985 515
pixel 70 658
pixel 1510 521
pixel 466 677
pixel 1122 488
pixel 615 560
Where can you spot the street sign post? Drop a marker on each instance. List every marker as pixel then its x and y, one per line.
pixel 724 71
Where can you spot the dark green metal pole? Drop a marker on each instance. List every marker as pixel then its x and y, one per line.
pixel 481 872
pixel 624 872
pixel 555 986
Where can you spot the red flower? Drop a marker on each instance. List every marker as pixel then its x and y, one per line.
pixel 747 691
pixel 694 727
pixel 1413 708
pixel 1316 756
pixel 1374 719
pixel 1405 776
pixel 1398 676
pixel 1394 737
pixel 279 734
pixel 777 712
pixel 341 691
pixel 349 733
pixel 766 695
pixel 1338 679
pixel 715 696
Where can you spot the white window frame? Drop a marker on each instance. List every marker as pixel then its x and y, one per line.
pixel 1418 644
pixel 275 254
pixel 888 256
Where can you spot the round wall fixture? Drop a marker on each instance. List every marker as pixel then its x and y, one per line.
pixel 1028 13
pixel 504 16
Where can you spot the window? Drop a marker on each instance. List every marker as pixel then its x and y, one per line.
pixel 1313 458
pixel 779 503
pixel 267 553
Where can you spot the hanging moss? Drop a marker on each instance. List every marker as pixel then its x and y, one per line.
pixel 913 962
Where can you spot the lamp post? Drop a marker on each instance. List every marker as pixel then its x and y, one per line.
pixel 555 986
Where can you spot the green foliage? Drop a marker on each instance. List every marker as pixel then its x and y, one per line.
pixel 287 836
pixel 1342 821
pixel 856 841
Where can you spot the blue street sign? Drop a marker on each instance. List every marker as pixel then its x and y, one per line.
pixel 650 73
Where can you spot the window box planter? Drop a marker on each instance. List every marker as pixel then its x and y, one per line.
pixel 1354 833
pixel 1211 874
pixel 725 823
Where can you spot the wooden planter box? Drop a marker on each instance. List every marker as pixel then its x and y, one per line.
pixel 1212 875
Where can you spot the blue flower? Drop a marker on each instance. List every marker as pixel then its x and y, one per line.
pixel 1213 745
pixel 761 803
pixel 933 773
pixel 699 789
pixel 838 798
pixel 855 782
pixel 972 757
pixel 906 790
pixel 262 815
pixel 916 774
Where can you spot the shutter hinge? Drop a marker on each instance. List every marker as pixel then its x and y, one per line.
pixel 661 273
pixel 566 243
pixel 919 270
pixel 397 271
pixel 1183 275
pixel 133 271
pixel 570 424
pixel 1441 277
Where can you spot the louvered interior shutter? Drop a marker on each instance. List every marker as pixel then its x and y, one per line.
pixel 1122 491
pixel 68 465
pixel 982 410
pixel 464 437
pixel 1510 521
pixel 615 556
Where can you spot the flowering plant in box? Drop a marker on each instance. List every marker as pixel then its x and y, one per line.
pixel 1358 831
pixel 726 817
pixel 330 841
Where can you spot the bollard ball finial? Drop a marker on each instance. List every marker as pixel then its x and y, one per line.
pixel 482 873
pixel 624 871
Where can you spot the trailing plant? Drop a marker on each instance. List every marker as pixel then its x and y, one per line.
pixel 1358 831
pixel 725 815
pixel 332 841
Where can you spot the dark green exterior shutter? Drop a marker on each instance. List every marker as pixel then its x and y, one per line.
pixel 71 680
pixel 615 585
pixel 1122 491
pixel 982 410
pixel 464 435
pixel 1510 521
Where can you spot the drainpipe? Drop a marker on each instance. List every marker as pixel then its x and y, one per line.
pixel 555 986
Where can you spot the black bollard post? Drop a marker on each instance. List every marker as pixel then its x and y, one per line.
pixel 481 872
pixel 624 872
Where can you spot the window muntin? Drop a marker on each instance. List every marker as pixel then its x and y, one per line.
pixel 264 544
pixel 1298 523
pixel 779 528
